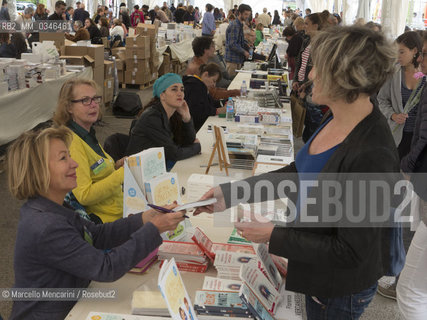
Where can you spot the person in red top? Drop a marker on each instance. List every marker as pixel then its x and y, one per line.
pixel 137 16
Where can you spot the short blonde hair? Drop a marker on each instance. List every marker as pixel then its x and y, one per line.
pixel 350 61
pixel 299 22
pixel 62 114
pixel 28 161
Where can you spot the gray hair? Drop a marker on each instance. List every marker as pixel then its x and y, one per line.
pixel 28 10
pixel 350 61
pixel 78 23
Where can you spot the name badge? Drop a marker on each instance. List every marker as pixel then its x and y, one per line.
pixel 98 166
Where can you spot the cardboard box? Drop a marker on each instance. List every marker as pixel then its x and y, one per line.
pixel 108 90
pixel 139 64
pixel 96 51
pixel 108 69
pixel 121 76
pixel 74 50
pixel 98 75
pixel 137 53
pixel 138 41
pixel 119 53
pixel 120 64
pixel 137 77
pixel 165 67
pixel 57 37
pixel 149 30
pixel 78 60
pixel 154 63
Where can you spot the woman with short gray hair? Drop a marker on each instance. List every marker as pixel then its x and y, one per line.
pixel 336 265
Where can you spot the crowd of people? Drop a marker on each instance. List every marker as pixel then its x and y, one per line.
pixel 366 111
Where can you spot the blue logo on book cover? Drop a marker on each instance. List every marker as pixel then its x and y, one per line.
pixel 173 180
pixel 132 192
pixel 174 270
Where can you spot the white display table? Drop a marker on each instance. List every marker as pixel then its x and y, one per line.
pixel 22 110
pixel 193 281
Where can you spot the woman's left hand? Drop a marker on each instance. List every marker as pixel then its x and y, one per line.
pixel 255 231
pixel 184 111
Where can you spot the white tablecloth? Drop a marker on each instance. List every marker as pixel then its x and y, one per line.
pixel 24 109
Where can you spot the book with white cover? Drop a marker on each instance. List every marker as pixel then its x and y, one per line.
pixel 228 263
pixel 163 190
pixel 133 197
pixel 260 285
pixel 174 293
pixel 266 265
pixel 218 284
pixel 253 304
pixel 148 303
pixel 291 305
pixel 138 168
pixel 147 164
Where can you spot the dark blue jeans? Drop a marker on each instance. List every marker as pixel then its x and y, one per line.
pixel 348 307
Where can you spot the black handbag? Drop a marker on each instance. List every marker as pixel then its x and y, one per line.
pixel 127 104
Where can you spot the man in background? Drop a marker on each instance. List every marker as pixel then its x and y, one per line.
pixel 80 13
pixel 59 13
pixel 4 12
pixel 264 18
pixel 235 53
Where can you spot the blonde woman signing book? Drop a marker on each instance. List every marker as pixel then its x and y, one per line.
pixel 400 96
pixel 55 247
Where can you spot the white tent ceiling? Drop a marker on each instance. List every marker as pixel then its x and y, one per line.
pixel 394 12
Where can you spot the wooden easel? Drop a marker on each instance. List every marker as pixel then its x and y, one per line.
pixel 223 159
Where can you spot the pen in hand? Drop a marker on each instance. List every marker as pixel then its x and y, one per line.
pixel 164 210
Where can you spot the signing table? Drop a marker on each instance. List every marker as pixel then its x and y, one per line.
pixel 22 110
pixel 217 227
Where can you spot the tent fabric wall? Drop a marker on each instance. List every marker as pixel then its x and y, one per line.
pixel 364 10
pixel 393 16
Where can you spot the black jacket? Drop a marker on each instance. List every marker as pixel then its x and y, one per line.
pixel 335 260
pixel 298 60
pixel 95 34
pixel 295 45
pixel 153 129
pixel 199 101
pixel 55 17
pixel 411 162
pixel 7 50
pixel 126 20
pixel 80 14
pixel 179 15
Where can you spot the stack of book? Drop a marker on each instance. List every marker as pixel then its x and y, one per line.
pixel 210 248
pixel 216 305
pixel 223 285
pixel 228 264
pixel 242 150
pixel 188 256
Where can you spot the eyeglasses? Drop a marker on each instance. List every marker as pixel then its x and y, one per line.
pixel 87 101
